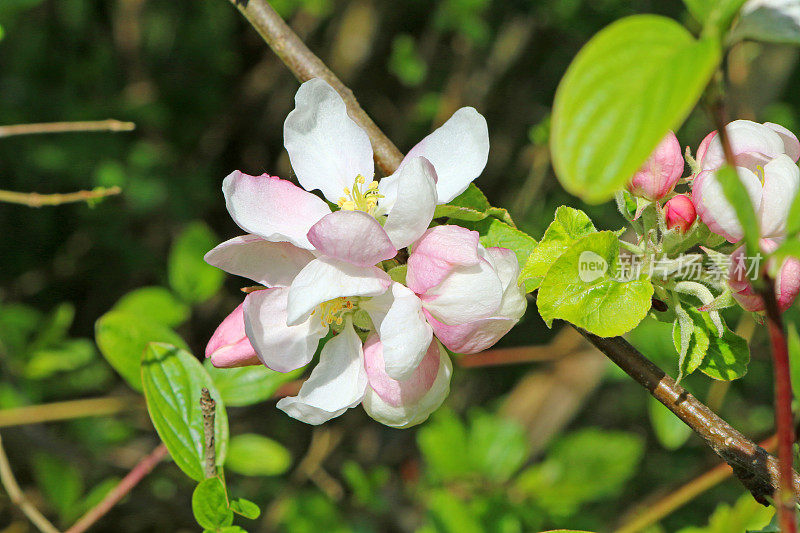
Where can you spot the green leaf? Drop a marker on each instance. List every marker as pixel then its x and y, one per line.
pixel 568 226
pixel 190 276
pixel 255 455
pixel 398 273
pixel 443 443
pixel 498 446
pixel 772 22
pixel 793 340
pixel 405 61
pixel 248 385
pixel 727 357
pixel 472 206
pixel 172 380
pixel 569 474
pixel 245 508
pixel 60 481
pixel 495 232
pixel 670 430
pixel 69 355
pixel 56 326
pixel 123 337
pixel 701 330
pixel 157 304
pixel 451 514
pixel 715 15
pixel 629 85
pixel 580 289
pixel 744 515
pixel 210 504
pixel 738 197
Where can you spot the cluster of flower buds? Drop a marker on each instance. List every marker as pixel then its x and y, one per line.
pixel 765 157
pixel 324 273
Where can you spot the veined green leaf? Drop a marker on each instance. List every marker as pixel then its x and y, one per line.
pixel 210 504
pixel 495 232
pixel 630 84
pixel 172 380
pixel 248 385
pixel 580 288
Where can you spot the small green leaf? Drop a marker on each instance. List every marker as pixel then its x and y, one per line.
pixel 700 330
pixel 60 481
pixel 248 385
pixel 210 504
pixel 443 443
pixel 255 455
pixel 579 288
pixel 246 508
pixel 738 197
pixel 405 61
pixel 568 226
pixel 123 337
pixel 68 355
pixel 670 430
pixel 472 206
pixel 498 446
pixel 172 380
pixel 398 273
pixel 157 304
pixel 629 85
pixel 190 276
pixel 727 357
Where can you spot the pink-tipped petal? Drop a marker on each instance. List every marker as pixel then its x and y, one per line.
pixel 787 285
pixel 352 236
pixel 409 402
pixel 326 147
pixel 662 170
pixel 274 264
pixel 752 143
pixel 680 213
pixel 781 184
pixel 437 253
pixel 715 210
pixel 472 337
pixel 229 346
pixel 272 208
pixel 703 148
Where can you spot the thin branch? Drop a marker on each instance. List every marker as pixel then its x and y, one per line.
pixel 66 127
pixel 142 468
pixel 305 65
pixel 209 407
pixel 51 412
pixel 754 467
pixel 652 512
pixel 18 497
pixel 34 199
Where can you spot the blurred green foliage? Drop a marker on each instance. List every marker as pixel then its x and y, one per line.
pixel 208 97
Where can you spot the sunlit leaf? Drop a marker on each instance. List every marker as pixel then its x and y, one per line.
pixel 629 85
pixel 190 276
pixel 248 384
pixel 156 303
pixel 255 455
pixel 210 504
pixel 172 380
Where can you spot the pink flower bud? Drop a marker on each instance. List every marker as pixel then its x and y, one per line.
pixel 679 212
pixel 662 170
pixel 229 346
pixel 787 286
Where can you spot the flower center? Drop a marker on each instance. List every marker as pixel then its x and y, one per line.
pixel 356 200
pixel 334 311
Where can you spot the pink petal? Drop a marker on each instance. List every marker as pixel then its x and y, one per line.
pixel 752 143
pixel 781 184
pixel 269 263
pixel 472 337
pixel 272 208
pixel 680 213
pixel 229 346
pixel 715 210
pixel 437 252
pixel 352 236
pixel 395 392
pixel 662 170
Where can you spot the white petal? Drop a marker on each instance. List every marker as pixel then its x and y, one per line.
pixel 752 144
pixel 414 204
pixel 274 264
pixel 327 149
pixel 790 143
pixel 715 210
pixel 336 384
pixel 402 328
pixel 781 183
pixel 280 347
pixel 458 151
pixel 272 208
pixel 466 294
pixel 325 279
pixel 505 263
pixel 406 414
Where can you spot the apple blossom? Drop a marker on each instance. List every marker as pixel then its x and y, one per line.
pixel 765 156
pixel 658 175
pixel 469 294
pixel 318 266
pixel 787 283
pixel 679 213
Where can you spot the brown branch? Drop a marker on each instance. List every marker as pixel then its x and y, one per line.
pixel 34 199
pixel 209 407
pixel 18 497
pixel 138 472
pixel 66 127
pixel 305 65
pixel 754 467
pixel 50 412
